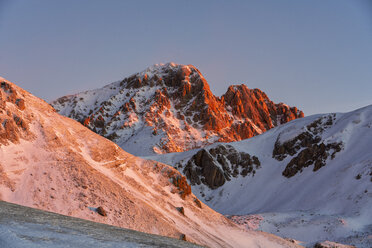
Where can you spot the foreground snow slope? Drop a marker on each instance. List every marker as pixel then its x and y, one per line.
pixel 23 227
pixel 53 163
pixel 321 164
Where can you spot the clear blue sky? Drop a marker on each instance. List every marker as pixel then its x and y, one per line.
pixel 316 55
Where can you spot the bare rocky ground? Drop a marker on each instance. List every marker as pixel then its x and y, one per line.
pixel 27 227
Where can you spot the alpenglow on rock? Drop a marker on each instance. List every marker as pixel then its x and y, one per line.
pixel 170 108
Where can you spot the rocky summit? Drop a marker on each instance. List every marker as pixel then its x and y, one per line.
pixel 170 108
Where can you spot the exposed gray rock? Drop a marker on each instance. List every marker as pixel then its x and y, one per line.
pixel 314 150
pixel 217 165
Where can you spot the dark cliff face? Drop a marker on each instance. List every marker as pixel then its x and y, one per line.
pixel 215 166
pixel 307 148
pixel 176 102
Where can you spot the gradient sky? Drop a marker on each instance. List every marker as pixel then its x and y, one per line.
pixel 316 55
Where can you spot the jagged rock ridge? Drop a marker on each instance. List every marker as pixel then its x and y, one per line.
pixel 170 108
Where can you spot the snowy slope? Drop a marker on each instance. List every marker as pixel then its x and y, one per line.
pixel 23 227
pixel 53 163
pixel 319 167
pixel 170 108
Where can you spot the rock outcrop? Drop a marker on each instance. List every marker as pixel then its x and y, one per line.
pixel 314 150
pixel 101 211
pixel 13 124
pixel 174 109
pixel 215 166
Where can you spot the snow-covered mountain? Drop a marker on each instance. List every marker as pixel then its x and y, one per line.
pixel 54 163
pixel 309 179
pixel 170 108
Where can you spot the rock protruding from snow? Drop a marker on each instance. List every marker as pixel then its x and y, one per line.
pixel 215 166
pixel 314 150
pixel 170 108
pixel 101 211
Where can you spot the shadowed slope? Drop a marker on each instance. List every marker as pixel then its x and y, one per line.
pixel 27 227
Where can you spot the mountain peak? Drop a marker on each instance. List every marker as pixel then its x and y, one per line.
pixel 163 69
pixel 171 108
pixel 166 75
